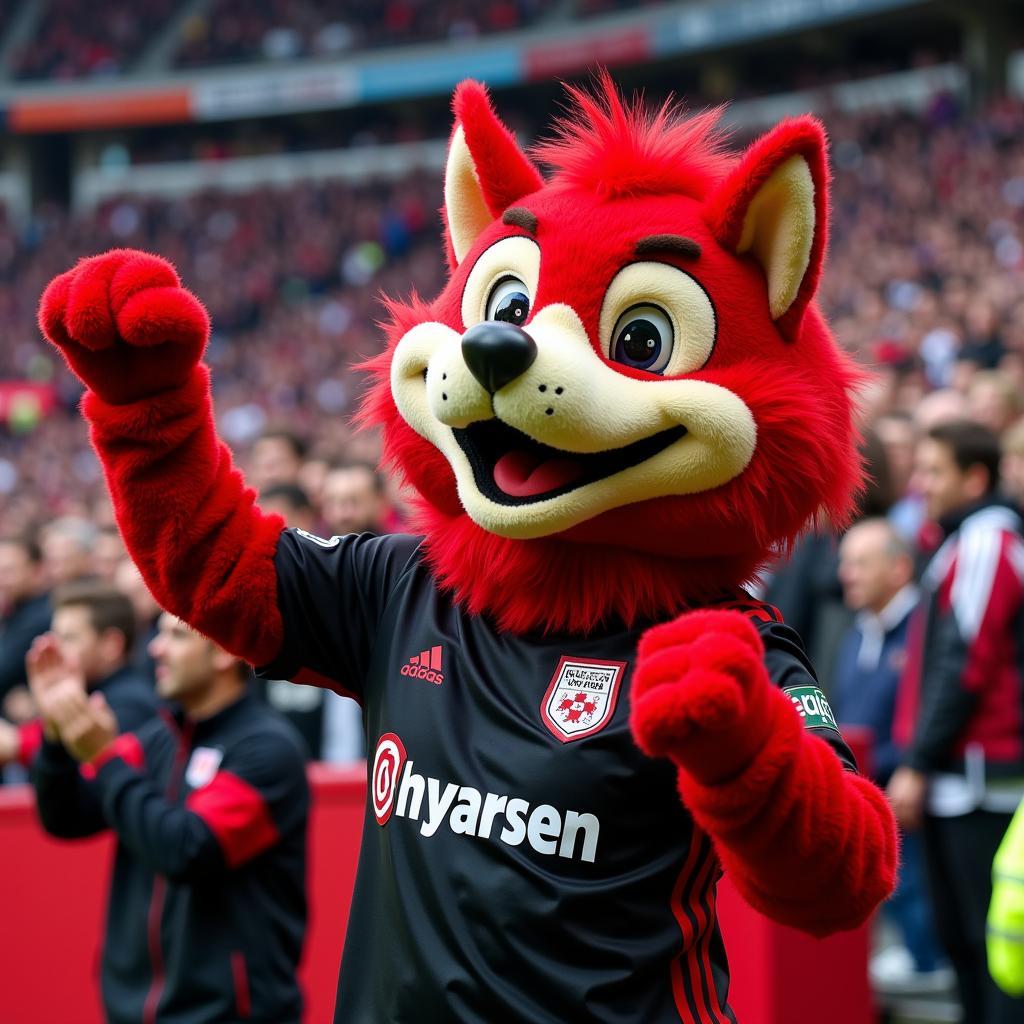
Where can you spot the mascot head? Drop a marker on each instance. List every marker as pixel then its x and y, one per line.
pixel 625 400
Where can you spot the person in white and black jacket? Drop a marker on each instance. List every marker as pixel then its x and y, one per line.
pixel 207 910
pixel 961 708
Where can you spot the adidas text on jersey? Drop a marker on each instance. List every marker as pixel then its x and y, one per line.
pixel 425 665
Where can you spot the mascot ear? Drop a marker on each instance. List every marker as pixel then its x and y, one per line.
pixel 486 171
pixel 774 206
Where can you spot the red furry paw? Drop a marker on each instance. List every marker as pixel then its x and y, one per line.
pixel 124 324
pixel 700 693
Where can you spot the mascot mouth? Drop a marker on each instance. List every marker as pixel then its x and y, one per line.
pixel 511 468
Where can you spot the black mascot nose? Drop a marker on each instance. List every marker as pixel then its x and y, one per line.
pixel 496 353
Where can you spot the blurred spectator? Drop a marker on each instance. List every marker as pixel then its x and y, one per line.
pixel 24 614
pixel 291 502
pixel 1011 466
pixel 942 406
pixel 806 587
pixel 107 553
pixel 311 478
pixel 209 809
pixel 93 631
pixel 67 546
pixel 354 499
pixel 960 714
pixel 993 401
pixel 129 581
pixel 276 459
pixel 898 437
pixel 876 569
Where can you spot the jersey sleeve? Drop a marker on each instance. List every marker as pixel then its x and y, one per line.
pixel 258 795
pixel 791 671
pixel 65 802
pixel 332 594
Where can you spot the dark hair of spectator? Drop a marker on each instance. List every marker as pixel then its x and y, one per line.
pixel 291 494
pixel 27 543
pixel 379 480
pixel 108 608
pixel 970 444
pixel 297 444
pixel 877 496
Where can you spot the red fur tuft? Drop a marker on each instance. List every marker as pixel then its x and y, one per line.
pixel 584 588
pixel 612 148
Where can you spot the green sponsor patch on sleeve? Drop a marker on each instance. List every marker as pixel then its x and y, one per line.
pixel 812 706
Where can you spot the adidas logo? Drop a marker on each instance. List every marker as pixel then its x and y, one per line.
pixel 425 665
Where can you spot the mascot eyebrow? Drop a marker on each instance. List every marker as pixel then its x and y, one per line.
pixel 520 217
pixel 675 244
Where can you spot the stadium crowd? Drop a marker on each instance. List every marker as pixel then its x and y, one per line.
pixel 234 31
pixel 923 286
pixel 75 40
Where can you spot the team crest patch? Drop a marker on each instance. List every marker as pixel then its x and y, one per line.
pixel 812 706
pixel 581 697
pixel 202 766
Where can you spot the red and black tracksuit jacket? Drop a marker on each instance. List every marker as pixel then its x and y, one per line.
pixel 963 685
pixel 207 904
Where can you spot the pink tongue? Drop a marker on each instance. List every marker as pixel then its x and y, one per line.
pixel 523 475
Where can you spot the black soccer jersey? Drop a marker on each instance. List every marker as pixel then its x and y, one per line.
pixel 522 861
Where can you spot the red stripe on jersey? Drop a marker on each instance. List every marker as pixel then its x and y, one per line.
pixel 698 843
pixel 156 954
pixel 310 677
pixel 710 899
pixel 700 968
pixel 435 658
pixel 243 1004
pixel 30 739
pixel 237 815
pixel 126 746
pixel 759 610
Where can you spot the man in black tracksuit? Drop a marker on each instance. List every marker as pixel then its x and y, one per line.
pixel 207 907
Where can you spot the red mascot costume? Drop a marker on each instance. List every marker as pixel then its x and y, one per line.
pixel 623 403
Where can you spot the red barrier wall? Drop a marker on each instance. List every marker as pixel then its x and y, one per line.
pixel 52 896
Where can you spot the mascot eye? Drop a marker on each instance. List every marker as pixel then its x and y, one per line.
pixel 643 339
pixel 509 301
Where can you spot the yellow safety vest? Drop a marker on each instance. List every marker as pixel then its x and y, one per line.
pixel 1005 938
